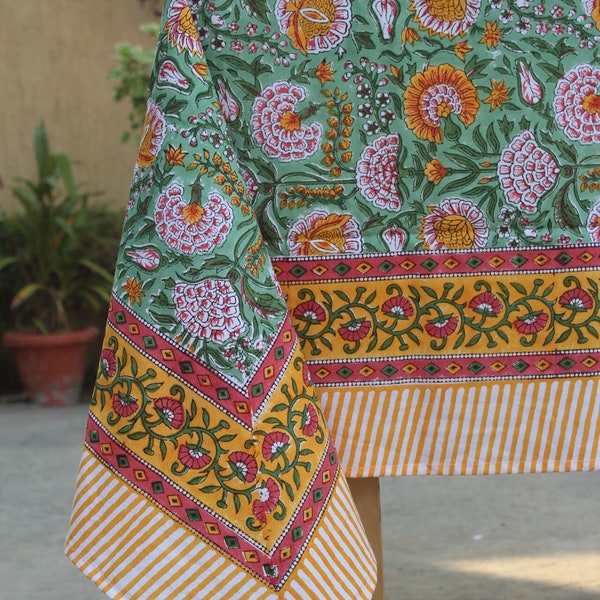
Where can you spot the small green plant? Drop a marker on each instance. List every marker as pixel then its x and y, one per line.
pixel 58 250
pixel 131 74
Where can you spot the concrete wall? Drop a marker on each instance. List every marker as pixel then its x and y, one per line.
pixel 54 57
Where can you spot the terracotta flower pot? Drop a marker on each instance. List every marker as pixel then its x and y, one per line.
pixel 51 366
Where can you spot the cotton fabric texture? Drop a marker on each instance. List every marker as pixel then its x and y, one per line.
pixel 365 226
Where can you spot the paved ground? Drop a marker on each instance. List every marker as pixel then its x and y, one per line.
pixel 477 538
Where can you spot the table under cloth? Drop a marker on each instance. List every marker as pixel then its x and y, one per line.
pixel 364 226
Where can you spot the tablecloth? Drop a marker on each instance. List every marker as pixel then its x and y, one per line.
pixel 371 226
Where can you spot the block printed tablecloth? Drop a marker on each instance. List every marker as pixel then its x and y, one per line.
pixel 365 226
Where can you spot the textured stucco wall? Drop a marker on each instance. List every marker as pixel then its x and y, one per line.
pixel 54 57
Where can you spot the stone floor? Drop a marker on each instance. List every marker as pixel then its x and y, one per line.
pixel 514 537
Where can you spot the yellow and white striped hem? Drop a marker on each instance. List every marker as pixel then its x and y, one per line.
pixel 131 549
pixel 458 428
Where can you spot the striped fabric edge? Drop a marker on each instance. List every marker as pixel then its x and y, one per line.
pixel 475 428
pixel 130 549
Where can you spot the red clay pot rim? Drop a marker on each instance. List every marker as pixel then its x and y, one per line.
pixel 26 339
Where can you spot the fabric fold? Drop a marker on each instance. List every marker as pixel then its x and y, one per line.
pixel 208 469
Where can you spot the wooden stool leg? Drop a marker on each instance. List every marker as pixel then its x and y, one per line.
pixel 365 492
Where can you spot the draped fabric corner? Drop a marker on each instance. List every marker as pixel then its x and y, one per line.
pixel 366 226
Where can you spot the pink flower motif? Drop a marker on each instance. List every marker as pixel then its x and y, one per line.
pixel 244 466
pixel 531 90
pixel 385 11
pixel 188 227
pixel 395 238
pixel 275 444
pixel 269 497
pixel 441 327
pixel 209 309
pixel 377 172
pixel 147 258
pixel 278 128
pixel 229 107
pixel 155 130
pixel 314 26
pixel 124 405
pixel 310 311
pixel 108 363
pixel 593 223
pixel 531 324
pixel 456 224
pixel 193 458
pixel 321 232
pixel 398 306
pixel 171 411
pixel 355 330
pixel 577 299
pixel 310 421
pixel 486 303
pixel 170 76
pixel 251 185
pixel 577 103
pixel 526 171
pixel 182 32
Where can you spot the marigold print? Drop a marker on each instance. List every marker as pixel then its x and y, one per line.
pixel 446 17
pixel 486 304
pixel 577 104
pixel 244 466
pixel 435 94
pixel 124 404
pixel 275 444
pixel 310 311
pixel 192 457
pixel 398 306
pixel 456 224
pixel 576 299
pixel 209 309
pixel 182 32
pixel 170 410
pixel 189 227
pixel 269 495
pixel 314 26
pixel 526 171
pixel 278 128
pixel 442 327
pixel 153 136
pixel 377 172
pixel 321 232
pixel 532 323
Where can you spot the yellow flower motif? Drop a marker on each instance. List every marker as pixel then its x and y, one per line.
pixel 492 34
pixel 201 69
pixel 425 105
pixel 462 49
pixel 175 156
pixel 410 35
pixel 134 291
pixel 324 72
pixel 435 171
pixel 498 95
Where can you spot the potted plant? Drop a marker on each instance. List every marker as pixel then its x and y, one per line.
pixel 57 251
